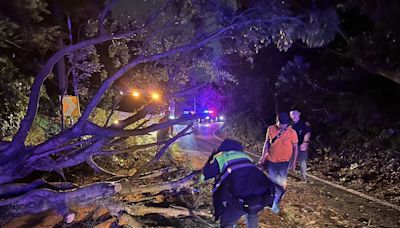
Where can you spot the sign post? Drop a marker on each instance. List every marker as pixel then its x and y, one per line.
pixel 71 106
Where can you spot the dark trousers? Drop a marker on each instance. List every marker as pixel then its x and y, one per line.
pixel 231 216
pixel 277 173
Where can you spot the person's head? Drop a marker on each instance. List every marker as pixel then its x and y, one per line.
pixel 230 144
pixel 295 115
pixel 282 120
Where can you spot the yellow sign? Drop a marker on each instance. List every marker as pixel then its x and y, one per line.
pixel 71 106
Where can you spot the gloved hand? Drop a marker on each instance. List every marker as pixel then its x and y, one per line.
pixel 198 177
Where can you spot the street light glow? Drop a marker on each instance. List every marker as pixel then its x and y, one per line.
pixel 116 121
pixel 135 94
pixel 155 96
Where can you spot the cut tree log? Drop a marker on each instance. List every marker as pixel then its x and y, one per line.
pixel 106 224
pixel 170 212
pixel 40 200
pixel 45 219
pixel 128 221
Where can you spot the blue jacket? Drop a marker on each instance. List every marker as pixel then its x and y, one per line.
pixel 238 182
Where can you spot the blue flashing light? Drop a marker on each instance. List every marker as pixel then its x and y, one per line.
pixel 186 112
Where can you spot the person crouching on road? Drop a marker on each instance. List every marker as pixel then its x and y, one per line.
pixel 280 143
pixel 240 187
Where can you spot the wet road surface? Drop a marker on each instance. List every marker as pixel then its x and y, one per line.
pixel 202 140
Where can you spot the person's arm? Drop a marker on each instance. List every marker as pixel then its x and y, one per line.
pixel 306 140
pixel 210 169
pixel 265 148
pixel 295 148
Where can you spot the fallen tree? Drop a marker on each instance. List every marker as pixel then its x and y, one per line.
pixel 174 39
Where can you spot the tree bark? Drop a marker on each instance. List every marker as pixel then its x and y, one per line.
pixel 40 200
pixel 170 212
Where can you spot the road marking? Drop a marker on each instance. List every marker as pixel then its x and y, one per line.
pixel 196 151
pixel 215 136
pixel 385 203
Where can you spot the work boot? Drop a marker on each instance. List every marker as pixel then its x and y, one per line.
pixel 275 208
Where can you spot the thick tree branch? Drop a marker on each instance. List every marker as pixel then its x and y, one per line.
pixel 69 160
pixel 189 91
pixel 92 129
pixel 160 153
pixel 16 189
pixel 40 200
pixel 130 149
pixel 112 110
pixel 184 182
pixel 184 48
pixel 36 155
pixel 19 138
pixel 103 15
pixel 26 123
pixel 157 173
pixel 138 116
pixel 97 168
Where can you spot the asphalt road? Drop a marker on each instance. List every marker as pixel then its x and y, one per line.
pixel 202 140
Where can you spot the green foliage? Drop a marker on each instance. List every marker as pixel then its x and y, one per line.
pixel 32 8
pixel 119 53
pixel 316 29
pixel 321 28
pixel 44 38
pixel 49 125
pixel 42 129
pixel 36 136
pixel 22 36
pixel 99 117
pixel 370 36
pixel 8 29
pixel 84 63
pixel 14 87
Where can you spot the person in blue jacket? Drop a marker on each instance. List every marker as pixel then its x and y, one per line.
pixel 240 188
